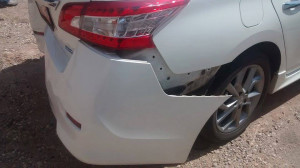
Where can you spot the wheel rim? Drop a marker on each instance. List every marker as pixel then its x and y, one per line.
pixel 245 90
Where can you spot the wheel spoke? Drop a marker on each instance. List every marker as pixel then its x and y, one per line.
pixel 240 77
pixel 244 116
pixel 253 94
pixel 231 89
pixel 255 80
pixel 247 109
pixel 245 90
pixel 223 107
pixel 227 106
pixel 225 127
pixel 226 113
pixel 246 103
pixel 249 79
pixel 237 117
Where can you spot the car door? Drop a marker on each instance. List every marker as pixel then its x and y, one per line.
pixel 289 15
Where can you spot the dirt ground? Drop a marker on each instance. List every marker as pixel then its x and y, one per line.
pixel 27 126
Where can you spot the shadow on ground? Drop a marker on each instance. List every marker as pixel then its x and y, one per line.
pixel 4 5
pixel 27 130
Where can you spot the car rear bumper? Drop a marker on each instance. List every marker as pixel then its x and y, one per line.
pixel 125 116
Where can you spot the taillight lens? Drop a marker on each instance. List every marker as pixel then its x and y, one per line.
pixel 118 24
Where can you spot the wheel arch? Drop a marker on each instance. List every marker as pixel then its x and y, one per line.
pixel 270 49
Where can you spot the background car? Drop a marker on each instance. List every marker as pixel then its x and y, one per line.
pixel 9 2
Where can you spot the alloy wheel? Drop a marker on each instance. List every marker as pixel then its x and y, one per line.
pixel 245 89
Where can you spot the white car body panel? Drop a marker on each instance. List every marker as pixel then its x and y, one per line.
pixel 123 121
pixel 252 12
pixel 196 25
pixel 126 116
pixel 291 28
pixel 290 21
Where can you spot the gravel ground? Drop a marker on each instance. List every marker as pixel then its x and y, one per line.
pixel 27 129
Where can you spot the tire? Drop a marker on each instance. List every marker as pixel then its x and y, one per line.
pixel 216 129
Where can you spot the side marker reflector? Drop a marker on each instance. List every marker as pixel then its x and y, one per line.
pixel 76 123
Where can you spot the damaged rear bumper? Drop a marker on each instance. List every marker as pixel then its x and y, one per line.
pixel 125 116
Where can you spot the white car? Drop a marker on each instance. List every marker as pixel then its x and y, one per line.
pixel 136 81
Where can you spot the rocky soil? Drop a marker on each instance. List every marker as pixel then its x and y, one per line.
pixel 27 126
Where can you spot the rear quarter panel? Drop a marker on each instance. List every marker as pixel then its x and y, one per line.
pixel 211 33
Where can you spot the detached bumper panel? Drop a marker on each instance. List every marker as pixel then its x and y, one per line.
pixel 125 116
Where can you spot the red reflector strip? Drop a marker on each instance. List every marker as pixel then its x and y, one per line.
pixel 38 33
pixel 76 123
pixel 118 43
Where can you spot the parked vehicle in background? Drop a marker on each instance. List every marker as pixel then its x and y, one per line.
pixel 9 2
pixel 136 82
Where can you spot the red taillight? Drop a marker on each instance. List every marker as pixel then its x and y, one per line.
pixel 118 24
pixel 68 13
